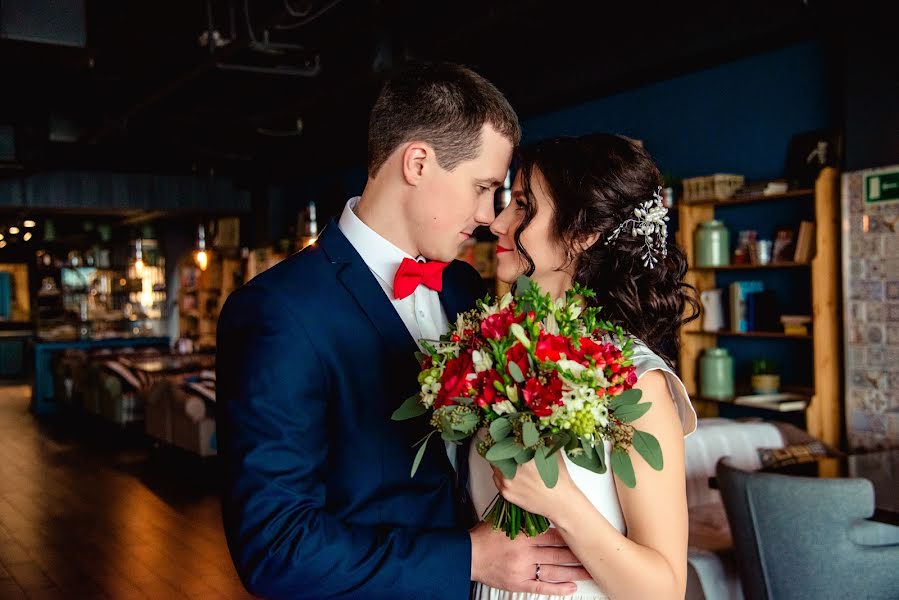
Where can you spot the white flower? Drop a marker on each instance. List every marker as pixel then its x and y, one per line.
pixel 481 360
pixel 505 301
pixel 574 367
pixel 512 393
pixel 518 331
pixel 504 407
pixel 550 325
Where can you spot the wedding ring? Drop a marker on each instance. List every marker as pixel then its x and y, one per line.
pixel 537 574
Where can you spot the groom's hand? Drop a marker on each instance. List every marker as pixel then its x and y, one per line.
pixel 511 565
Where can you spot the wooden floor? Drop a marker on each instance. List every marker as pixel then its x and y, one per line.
pixel 89 512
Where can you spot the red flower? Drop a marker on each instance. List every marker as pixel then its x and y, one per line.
pixel 540 398
pixel 485 390
pixel 551 347
pixel 589 349
pixel 454 382
pixel 631 377
pixel 519 355
pixel 496 326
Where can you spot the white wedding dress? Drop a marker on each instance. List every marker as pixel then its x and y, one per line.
pixel 600 489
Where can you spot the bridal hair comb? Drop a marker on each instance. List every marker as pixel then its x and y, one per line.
pixel 650 220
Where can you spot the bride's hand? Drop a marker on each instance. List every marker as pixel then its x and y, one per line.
pixel 528 491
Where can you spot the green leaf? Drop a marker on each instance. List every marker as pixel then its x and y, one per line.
pixel 468 423
pixel 590 459
pixel 500 429
pixel 648 447
pixel 420 357
pixel 515 372
pixel 420 454
pixel 529 434
pixel 522 284
pixel 498 385
pixel 631 396
pixel 623 468
pixel 410 409
pixel 454 436
pixel 526 455
pixel 559 441
pixel 462 400
pixel 508 467
pixel 547 466
pixel 508 448
pixel 632 412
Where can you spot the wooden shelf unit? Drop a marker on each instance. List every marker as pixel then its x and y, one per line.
pixel 777 265
pixel 772 335
pixel 755 198
pixel 824 413
pixel 199 304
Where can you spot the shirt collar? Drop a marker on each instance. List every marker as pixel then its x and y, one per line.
pixel 382 257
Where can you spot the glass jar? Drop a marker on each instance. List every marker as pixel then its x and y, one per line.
pixel 712 244
pixel 716 374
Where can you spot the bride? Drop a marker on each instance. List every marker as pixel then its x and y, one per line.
pixel 572 219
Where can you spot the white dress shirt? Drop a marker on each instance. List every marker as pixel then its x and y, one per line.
pixel 421 312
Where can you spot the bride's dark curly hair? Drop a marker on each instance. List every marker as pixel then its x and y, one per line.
pixel 595 182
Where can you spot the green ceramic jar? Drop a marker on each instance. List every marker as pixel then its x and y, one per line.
pixel 716 374
pixel 712 244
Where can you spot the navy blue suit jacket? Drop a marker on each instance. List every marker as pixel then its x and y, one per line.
pixel 318 501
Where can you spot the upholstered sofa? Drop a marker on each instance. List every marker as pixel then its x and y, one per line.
pixel 714 574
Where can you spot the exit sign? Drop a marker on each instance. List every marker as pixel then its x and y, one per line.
pixel 882 186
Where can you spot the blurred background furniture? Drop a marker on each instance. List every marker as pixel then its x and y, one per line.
pixel 180 412
pixel 802 537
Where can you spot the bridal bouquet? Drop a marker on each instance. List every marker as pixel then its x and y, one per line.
pixel 540 376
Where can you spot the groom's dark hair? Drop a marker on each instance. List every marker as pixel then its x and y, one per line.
pixel 443 104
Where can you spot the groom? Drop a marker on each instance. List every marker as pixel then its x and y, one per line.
pixel 316 353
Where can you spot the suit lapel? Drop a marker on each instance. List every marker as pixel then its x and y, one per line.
pixel 456 297
pixel 360 283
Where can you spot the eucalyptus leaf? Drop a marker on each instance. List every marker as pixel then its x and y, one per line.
pixel 623 468
pixel 522 284
pixel 420 454
pixel 559 441
pixel 526 455
pixel 632 412
pixel 631 396
pixel 462 400
pixel 500 429
pixel 529 434
pixel 410 409
pixel 590 458
pixel 508 448
pixel 547 466
pixel 508 467
pixel 648 447
pixel 468 421
pixel 454 436
pixel 515 372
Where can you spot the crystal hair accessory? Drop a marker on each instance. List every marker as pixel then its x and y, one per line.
pixel 650 220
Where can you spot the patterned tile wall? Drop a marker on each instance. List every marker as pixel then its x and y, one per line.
pixel 871 315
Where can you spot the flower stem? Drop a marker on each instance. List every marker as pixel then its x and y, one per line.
pixel 512 519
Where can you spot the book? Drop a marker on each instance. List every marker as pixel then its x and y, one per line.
pixel 739 315
pixel 805 243
pixel 782 402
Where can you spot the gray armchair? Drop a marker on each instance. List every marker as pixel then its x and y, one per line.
pixel 804 537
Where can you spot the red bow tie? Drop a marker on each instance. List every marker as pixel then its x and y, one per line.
pixel 412 273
